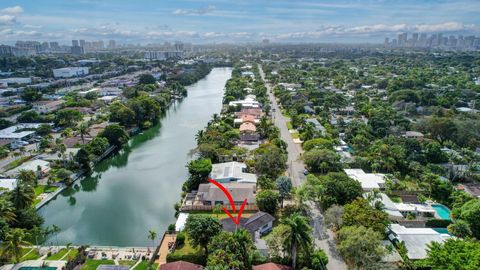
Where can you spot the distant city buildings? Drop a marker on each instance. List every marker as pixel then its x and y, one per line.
pixel 163 55
pixel 69 72
pixel 417 40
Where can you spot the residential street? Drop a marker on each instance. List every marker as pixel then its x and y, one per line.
pixel 323 237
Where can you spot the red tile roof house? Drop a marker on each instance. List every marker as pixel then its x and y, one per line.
pixel 180 265
pixel 271 266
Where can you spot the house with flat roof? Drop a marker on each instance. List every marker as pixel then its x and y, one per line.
pixel 250 101
pixel 40 167
pixel 210 194
pixel 369 181
pixel 19 132
pixel 415 239
pixel 232 172
pixel 398 211
pixel 8 184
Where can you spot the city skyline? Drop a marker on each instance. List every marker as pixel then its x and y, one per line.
pixel 227 21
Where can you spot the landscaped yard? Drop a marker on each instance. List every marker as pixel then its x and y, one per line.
pixel 129 263
pixel 29 254
pixel 57 256
pixel 44 189
pixel 143 265
pixel 222 215
pixel 93 264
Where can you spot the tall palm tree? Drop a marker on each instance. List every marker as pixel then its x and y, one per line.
pixel 152 235
pixel 7 211
pixel 22 196
pixel 298 236
pixel 13 243
pixel 83 129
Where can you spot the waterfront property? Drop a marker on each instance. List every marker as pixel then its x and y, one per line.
pixel 415 239
pixel 257 225
pixel 209 194
pixel 232 172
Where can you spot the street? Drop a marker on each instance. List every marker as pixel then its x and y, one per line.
pixel 323 237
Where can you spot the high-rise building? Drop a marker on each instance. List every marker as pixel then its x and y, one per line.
pixel 54 46
pixel 112 44
pixel 77 50
pixel 74 43
pixel 387 41
pixel 82 42
pixel 402 39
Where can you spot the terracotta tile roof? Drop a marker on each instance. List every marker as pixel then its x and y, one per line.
pixel 248 127
pixel 180 265
pixel 271 266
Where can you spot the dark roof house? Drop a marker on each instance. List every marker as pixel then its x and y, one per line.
pixel 260 222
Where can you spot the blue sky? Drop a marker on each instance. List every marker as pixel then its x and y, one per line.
pixel 233 21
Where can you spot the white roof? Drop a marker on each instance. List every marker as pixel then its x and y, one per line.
pixel 31 165
pixel 232 170
pixel 368 181
pixel 416 239
pixel 9 184
pixel 181 220
pixel 10 132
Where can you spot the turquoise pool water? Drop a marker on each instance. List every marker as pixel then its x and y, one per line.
pixel 442 211
pixel 441 230
pixel 37 268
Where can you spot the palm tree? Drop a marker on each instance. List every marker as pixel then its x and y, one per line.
pixel 22 196
pixel 13 243
pixel 298 236
pixel 83 130
pixel 152 235
pixel 7 211
pixel 36 232
pixel 54 230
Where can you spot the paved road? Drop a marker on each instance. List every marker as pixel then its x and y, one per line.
pixel 295 164
pixel 323 237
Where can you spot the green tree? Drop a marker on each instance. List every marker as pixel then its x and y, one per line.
pixel 115 134
pixel 7 210
pixel 360 247
pixel 267 201
pixel 460 228
pixel 13 243
pixel 44 129
pixel 146 79
pixel 470 212
pixel 97 146
pixel 122 114
pixel 338 188
pixel 31 95
pixel 83 158
pixel 297 237
pixel 199 170
pixel 152 235
pixel 322 160
pixel 284 186
pixel 83 129
pixel 270 160
pixel 27 177
pixel 67 117
pixel 321 143
pixel 200 229
pixel 334 217
pixel 319 260
pixel 22 196
pixel 454 254
pixel 359 212
pixel 231 249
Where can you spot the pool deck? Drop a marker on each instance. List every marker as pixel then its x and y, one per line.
pixel 163 251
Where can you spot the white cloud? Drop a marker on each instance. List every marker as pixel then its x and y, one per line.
pixel 200 11
pixel 7 19
pixel 16 10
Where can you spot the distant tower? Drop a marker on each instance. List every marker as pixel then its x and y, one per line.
pixel 75 43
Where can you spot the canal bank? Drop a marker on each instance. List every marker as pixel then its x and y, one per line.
pixel 135 190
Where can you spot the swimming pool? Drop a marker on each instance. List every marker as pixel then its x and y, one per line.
pixel 37 268
pixel 442 211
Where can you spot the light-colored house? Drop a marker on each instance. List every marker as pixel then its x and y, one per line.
pixel 8 183
pixel 401 210
pixel 210 194
pixel 247 127
pixel 369 181
pixel 40 167
pixel 415 239
pixel 246 118
pixel 413 135
pixel 19 132
pixel 232 172
pixel 250 101
pixel 47 106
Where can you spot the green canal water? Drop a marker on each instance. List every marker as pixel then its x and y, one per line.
pixel 135 190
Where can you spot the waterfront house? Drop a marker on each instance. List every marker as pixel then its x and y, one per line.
pixel 271 266
pixel 256 112
pixel 232 172
pixel 209 194
pixel 246 118
pixel 249 102
pixel 40 167
pixel 247 127
pixel 416 239
pixel 369 181
pixel 257 225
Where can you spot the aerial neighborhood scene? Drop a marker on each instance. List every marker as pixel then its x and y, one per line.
pixel 238 135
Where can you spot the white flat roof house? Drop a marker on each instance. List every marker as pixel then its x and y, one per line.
pixel 31 165
pixel 232 172
pixel 9 183
pixel 401 210
pixel 17 132
pixel 415 239
pixel 250 101
pixel 69 72
pixel 369 181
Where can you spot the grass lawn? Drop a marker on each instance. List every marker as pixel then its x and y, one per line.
pixel 222 215
pixel 289 125
pixel 187 249
pixel 57 256
pixel 143 265
pixel 395 198
pixel 129 263
pixel 93 264
pixel 295 135
pixel 72 254
pixel 44 189
pixel 26 256
pixel 16 163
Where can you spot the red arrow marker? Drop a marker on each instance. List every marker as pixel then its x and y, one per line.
pixel 232 203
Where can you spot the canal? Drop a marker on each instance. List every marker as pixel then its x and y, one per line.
pixel 135 190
